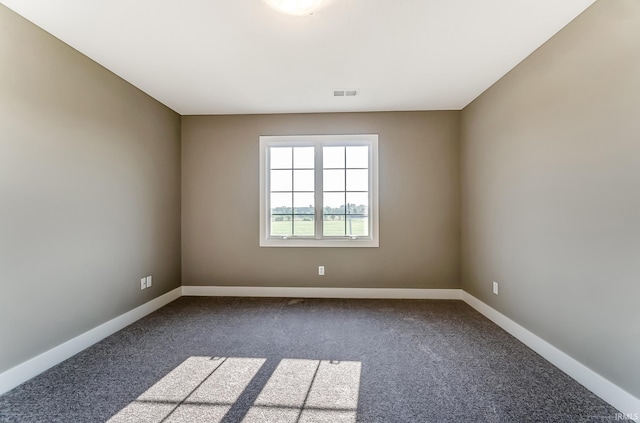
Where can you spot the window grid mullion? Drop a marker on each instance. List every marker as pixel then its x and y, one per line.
pixel 293 213
pixel 346 206
pixel 318 175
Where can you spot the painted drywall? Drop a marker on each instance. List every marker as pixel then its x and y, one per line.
pixel 550 198
pixel 419 204
pixel 89 193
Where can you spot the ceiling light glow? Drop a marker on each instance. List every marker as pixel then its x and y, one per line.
pixel 296 7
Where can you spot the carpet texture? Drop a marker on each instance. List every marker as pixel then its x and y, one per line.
pixel 313 360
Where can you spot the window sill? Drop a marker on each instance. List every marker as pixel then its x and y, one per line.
pixel 319 243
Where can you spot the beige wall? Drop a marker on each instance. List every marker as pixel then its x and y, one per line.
pixel 419 203
pixel 89 193
pixel 551 192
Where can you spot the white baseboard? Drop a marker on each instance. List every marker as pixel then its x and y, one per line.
pixel 33 367
pixel 300 292
pixel 608 391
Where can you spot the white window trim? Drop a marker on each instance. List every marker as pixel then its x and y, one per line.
pixel 364 139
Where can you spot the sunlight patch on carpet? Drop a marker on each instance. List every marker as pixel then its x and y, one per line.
pixel 206 388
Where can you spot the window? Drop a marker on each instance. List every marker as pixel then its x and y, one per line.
pixel 319 191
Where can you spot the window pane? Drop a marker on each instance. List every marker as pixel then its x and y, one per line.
pixel 319 190
pixel 303 157
pixel 333 203
pixel 358 156
pixel 280 157
pixel 333 226
pixel 358 203
pixel 357 180
pixel 357 226
pixel 303 203
pixel 281 203
pixel 303 180
pixel 281 180
pixel 332 157
pixel 333 180
pixel 281 226
pixel 304 226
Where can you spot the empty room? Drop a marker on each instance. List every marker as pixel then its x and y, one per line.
pixel 325 211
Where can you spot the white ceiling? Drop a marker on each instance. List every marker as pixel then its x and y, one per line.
pixel 240 56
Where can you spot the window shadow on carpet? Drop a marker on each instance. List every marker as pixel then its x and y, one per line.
pixel 209 388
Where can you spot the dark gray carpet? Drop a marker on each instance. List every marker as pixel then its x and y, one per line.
pixel 421 361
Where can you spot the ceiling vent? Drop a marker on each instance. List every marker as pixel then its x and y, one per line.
pixel 345 93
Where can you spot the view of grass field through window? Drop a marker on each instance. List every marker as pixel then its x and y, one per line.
pixel 355 226
pixel 344 187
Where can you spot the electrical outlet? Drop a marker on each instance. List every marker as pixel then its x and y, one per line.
pixel 495 287
pixel 321 270
pixel 143 283
pixel 149 281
